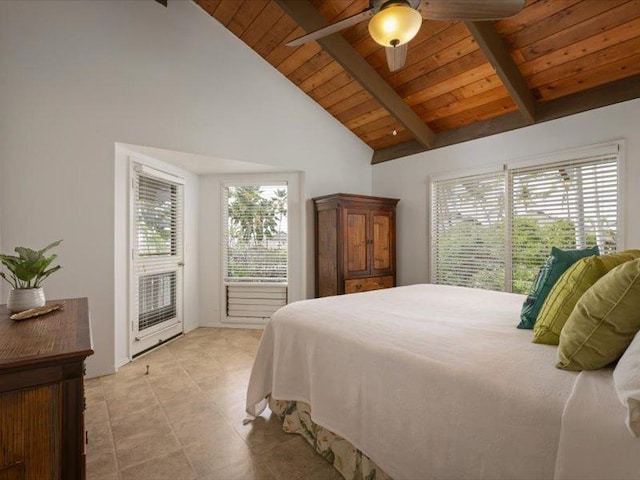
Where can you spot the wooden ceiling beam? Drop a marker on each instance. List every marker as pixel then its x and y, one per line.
pixel 305 15
pixel 494 48
pixel 602 96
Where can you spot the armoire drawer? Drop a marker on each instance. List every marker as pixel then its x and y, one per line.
pixel 366 284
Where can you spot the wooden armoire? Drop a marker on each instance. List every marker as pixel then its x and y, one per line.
pixel 355 243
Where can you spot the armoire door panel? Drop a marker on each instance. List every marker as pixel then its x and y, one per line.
pixel 357 261
pixel 381 241
pixel 327 261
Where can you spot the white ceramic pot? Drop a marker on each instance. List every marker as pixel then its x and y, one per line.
pixel 25 298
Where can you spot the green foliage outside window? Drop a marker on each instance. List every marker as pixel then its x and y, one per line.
pixel 532 240
pixel 257 233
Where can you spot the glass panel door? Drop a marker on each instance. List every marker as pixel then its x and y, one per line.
pixel 157 214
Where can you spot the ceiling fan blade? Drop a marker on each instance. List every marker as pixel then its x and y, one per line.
pixel 333 28
pixel 396 56
pixel 474 10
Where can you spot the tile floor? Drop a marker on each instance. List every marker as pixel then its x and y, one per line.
pixel 184 419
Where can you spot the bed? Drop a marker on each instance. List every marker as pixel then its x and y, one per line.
pixel 430 381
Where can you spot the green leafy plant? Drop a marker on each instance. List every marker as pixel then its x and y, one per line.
pixel 30 268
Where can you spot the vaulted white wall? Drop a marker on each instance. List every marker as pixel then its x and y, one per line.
pixel 78 77
pixel 406 178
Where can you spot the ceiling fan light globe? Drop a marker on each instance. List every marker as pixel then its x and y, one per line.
pixel 395 25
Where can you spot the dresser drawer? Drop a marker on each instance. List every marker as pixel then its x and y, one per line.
pixel 366 284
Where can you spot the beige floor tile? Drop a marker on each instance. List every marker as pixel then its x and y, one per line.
pixel 234 412
pixel 245 470
pixel 101 464
pixel 226 393
pixel 293 459
pixel 94 395
pixel 184 419
pixel 195 427
pixel 146 422
pixel 326 472
pixel 97 411
pixel 188 352
pixel 92 382
pixel 174 466
pixel 99 437
pixel 168 387
pixel 256 332
pixel 93 390
pixel 181 406
pixel 122 386
pixel 219 450
pixel 130 404
pixel 131 388
pixel 138 449
pixel 232 358
pixel 110 476
pixel 205 369
pixel 230 380
pixel 124 375
pixel 264 433
pixel 166 370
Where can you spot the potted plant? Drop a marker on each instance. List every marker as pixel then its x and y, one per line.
pixel 27 271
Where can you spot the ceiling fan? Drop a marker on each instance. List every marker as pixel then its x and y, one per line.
pixel 395 22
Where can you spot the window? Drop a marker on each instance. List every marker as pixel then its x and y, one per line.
pixel 567 205
pixel 468 231
pixel 495 230
pixel 255 249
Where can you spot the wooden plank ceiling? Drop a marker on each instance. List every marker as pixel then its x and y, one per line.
pixel 560 48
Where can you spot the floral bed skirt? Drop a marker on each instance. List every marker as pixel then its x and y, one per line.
pixel 348 460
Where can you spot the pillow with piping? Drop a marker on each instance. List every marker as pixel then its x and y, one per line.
pixel 557 263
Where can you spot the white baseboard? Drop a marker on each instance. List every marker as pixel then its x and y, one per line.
pixel 122 362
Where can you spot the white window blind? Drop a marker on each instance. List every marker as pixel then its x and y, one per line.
pixel 468 218
pixel 158 214
pixel 255 249
pixel 158 247
pixel 494 231
pixel 567 205
pixel 157 300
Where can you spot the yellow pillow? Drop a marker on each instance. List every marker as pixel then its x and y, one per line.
pixel 569 288
pixel 603 322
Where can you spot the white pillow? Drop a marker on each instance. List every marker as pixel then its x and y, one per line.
pixel 626 378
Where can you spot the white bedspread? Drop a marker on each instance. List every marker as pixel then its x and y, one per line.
pixel 595 443
pixel 428 381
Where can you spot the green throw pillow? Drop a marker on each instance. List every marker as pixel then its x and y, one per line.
pixel 564 295
pixel 556 265
pixel 604 321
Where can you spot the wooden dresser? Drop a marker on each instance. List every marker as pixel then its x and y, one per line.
pixel 42 393
pixel 355 243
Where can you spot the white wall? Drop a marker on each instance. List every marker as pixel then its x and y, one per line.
pixel 406 178
pixel 78 77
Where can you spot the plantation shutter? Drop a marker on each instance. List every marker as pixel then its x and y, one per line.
pixel 255 249
pixel 468 231
pixel 158 246
pixel 571 204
